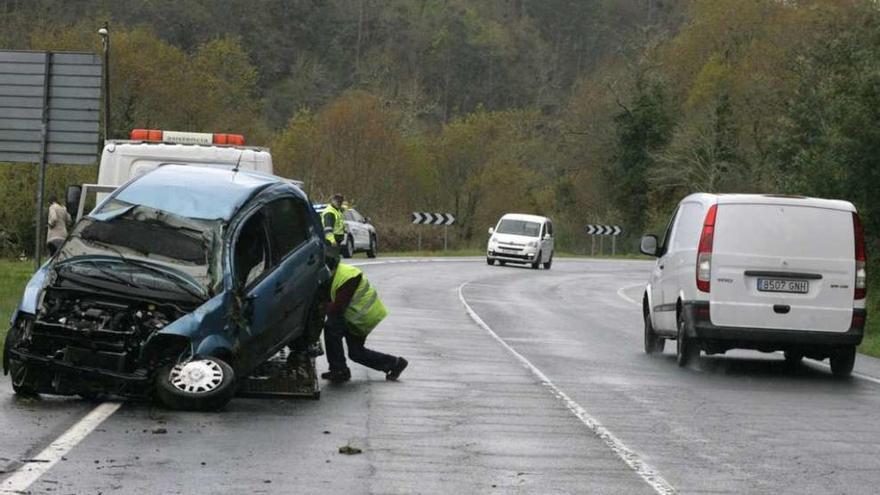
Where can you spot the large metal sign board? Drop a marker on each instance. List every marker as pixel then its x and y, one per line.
pixel 61 90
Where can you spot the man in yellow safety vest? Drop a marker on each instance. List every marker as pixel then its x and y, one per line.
pixel 332 219
pixel 353 312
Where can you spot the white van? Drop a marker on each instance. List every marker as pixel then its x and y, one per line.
pixel 521 238
pixel 758 272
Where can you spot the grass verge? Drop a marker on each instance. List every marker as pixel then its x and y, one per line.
pixel 871 343
pixel 13 277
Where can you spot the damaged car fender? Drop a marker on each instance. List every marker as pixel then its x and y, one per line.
pixel 205 331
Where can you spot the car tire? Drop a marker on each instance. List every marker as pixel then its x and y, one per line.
pixel 18 371
pixel 348 249
pixel 374 247
pixel 490 261
pixel 686 349
pixel 549 263
pixel 653 343
pixel 204 384
pixel 537 262
pixel 502 262
pixel 842 361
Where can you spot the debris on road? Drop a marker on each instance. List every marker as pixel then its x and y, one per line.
pixel 349 450
pixel 159 431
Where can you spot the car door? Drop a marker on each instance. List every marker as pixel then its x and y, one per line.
pixel 255 280
pixel 664 316
pixel 296 250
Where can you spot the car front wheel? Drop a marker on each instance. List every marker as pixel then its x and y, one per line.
pixel 490 261
pixel 549 262
pixel 204 384
pixel 537 262
pixel 348 248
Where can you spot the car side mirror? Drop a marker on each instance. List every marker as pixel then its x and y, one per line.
pixel 491 230
pixel 547 237
pixel 72 198
pixel 648 245
pixel 367 220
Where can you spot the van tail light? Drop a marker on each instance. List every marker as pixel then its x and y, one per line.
pixel 704 251
pixel 861 283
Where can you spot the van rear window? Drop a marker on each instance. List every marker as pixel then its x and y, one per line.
pixel 784 231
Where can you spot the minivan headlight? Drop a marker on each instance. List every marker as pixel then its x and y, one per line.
pixel 533 244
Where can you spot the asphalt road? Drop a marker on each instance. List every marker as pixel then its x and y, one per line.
pixel 521 381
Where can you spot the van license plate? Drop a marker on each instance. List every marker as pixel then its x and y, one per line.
pixel 782 285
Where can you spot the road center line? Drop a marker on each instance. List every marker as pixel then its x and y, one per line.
pixel 627 455
pixel 25 476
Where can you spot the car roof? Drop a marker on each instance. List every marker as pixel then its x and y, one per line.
pixel 770 199
pixel 212 192
pixel 523 216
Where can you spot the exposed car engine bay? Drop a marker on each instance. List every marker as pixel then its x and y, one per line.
pixel 94 331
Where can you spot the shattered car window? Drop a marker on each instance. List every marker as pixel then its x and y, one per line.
pixel 146 235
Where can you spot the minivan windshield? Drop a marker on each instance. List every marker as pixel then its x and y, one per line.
pixel 519 227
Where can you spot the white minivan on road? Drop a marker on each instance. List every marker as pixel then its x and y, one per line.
pixel 758 272
pixel 521 238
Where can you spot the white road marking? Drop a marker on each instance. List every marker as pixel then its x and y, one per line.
pixel 627 455
pixel 622 294
pixel 857 375
pixel 25 476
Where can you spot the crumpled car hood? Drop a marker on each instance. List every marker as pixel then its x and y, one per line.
pixel 149 235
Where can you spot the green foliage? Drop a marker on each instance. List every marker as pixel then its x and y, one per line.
pixel 587 111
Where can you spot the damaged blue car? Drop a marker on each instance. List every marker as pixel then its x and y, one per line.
pixel 178 285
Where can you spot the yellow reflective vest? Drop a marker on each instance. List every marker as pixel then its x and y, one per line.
pixel 338 223
pixel 366 309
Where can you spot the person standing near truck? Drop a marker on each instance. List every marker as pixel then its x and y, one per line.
pixel 353 312
pixel 57 225
pixel 332 219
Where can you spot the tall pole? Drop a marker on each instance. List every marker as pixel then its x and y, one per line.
pixel 44 138
pixel 445 236
pixel 104 32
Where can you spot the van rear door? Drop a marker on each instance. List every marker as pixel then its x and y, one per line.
pixel 783 266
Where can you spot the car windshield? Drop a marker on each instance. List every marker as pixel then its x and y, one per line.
pixel 519 227
pixel 139 234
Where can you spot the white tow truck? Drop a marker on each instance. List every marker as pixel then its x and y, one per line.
pixel 123 160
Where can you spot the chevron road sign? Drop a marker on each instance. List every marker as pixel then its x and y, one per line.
pixel 422 218
pixel 603 230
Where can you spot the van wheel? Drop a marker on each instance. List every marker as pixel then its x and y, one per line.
pixel 653 343
pixel 537 262
pixel 204 384
pixel 842 361
pixel 549 263
pixel 501 262
pixel 374 249
pixel 490 261
pixel 686 349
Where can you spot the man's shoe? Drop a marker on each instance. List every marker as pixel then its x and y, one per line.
pixel 337 376
pixel 395 372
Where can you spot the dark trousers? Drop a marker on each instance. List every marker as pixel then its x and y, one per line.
pixel 337 329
